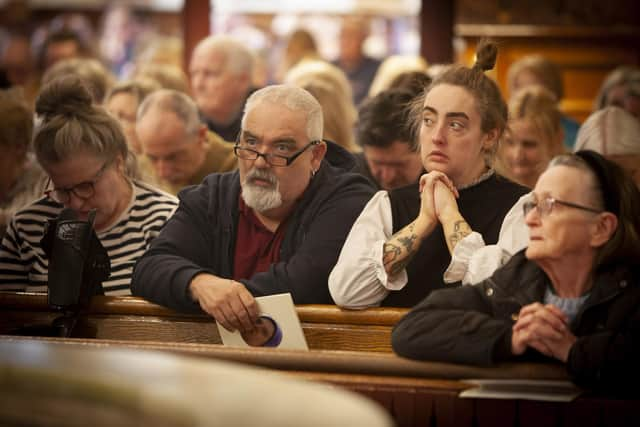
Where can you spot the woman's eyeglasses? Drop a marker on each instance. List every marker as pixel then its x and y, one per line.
pixel 545 206
pixel 84 190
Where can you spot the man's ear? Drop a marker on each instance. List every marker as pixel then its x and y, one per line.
pixel 318 152
pixel 603 229
pixel 202 135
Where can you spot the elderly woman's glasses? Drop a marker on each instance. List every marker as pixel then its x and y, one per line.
pixel 272 159
pixel 84 190
pixel 545 206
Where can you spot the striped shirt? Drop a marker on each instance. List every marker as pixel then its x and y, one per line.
pixel 24 265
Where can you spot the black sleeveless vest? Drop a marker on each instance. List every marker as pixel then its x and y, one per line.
pixel 483 206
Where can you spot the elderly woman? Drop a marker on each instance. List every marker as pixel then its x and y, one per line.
pixel 83 150
pixel 535 135
pixel 572 295
pixel 404 240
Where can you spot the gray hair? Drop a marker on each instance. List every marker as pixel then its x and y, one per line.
pixel 176 102
pixel 576 162
pixel 238 59
pixel 293 98
pixel 625 75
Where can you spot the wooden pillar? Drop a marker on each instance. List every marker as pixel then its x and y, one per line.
pixel 195 25
pixel 436 31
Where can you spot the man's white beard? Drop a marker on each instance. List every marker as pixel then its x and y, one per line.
pixel 260 198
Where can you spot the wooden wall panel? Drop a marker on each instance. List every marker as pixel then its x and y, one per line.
pixel 584 57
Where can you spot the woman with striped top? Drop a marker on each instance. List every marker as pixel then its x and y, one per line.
pixel 84 151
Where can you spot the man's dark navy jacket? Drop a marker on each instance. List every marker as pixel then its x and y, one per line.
pixel 201 235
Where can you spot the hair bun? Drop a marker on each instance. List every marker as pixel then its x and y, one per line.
pixel 64 96
pixel 486 54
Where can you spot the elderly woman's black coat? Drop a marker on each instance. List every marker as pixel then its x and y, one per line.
pixel 472 324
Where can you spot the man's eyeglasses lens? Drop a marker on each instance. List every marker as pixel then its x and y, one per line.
pixel 272 159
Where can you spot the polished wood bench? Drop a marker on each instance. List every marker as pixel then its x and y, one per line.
pixel 415 393
pixel 326 327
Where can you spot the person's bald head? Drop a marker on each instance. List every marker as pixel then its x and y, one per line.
pixel 171 135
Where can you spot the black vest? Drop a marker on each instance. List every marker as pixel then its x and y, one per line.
pixel 483 206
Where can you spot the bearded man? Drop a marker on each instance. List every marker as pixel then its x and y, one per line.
pixel 276 225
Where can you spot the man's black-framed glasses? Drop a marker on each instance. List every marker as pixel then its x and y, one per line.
pixel 545 206
pixel 84 190
pixel 272 159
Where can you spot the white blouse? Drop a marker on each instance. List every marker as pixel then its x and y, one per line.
pixel 359 279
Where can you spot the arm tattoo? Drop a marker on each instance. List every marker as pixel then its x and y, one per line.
pixel 460 230
pixel 399 250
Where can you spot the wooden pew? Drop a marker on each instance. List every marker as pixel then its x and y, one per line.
pixel 351 350
pixel 130 318
pixel 415 393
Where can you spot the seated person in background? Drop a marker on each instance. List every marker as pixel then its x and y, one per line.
pixel 220 71
pixel 359 68
pixel 299 46
pixel 178 148
pixel 61 45
pixel 22 180
pixel 329 86
pixel 166 75
pixel 615 134
pixel 399 248
pixel 96 77
pixel 83 150
pixel 18 65
pixel 388 74
pixel 534 135
pixel 276 225
pixel 122 102
pixel 538 70
pixel 413 81
pixel 621 88
pixel 389 158
pixel 572 295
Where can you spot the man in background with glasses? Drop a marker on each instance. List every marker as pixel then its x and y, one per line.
pixel 274 226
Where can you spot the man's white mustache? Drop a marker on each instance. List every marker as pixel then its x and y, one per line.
pixel 261 174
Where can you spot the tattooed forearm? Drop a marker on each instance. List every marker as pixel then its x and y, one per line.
pixel 399 250
pixel 459 231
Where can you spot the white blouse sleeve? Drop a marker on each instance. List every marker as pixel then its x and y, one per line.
pixel 473 261
pixel 359 279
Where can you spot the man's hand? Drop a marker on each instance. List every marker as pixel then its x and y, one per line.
pixel 228 301
pixel 544 328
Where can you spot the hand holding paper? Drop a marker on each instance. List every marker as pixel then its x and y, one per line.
pixel 228 301
pixel 277 326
